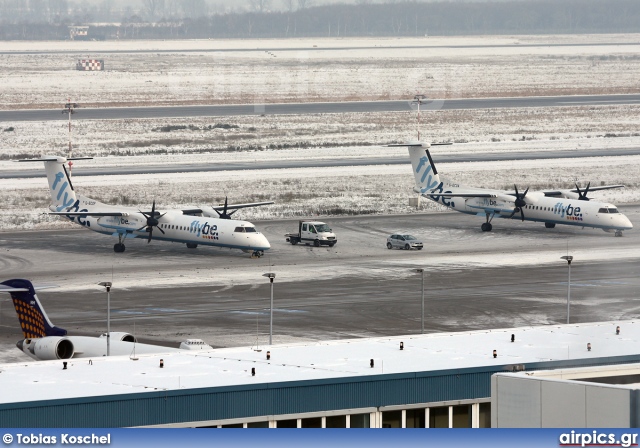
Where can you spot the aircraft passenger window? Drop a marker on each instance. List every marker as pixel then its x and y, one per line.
pixel 239 229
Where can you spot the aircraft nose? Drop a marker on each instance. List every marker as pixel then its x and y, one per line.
pixel 265 242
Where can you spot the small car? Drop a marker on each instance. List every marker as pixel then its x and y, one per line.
pixel 403 242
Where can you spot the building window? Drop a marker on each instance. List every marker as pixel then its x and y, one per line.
pixel 293 423
pixel 337 421
pixel 258 425
pixel 461 417
pixel 311 422
pixel 439 417
pixel 360 421
pixel 392 419
pixel 415 418
pixel 233 425
pixel 484 415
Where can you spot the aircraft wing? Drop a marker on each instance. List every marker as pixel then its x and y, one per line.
pixel 198 211
pixel 561 192
pixel 237 206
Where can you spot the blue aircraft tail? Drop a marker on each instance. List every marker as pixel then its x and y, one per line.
pixel 34 321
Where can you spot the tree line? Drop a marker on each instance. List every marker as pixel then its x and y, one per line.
pixel 348 20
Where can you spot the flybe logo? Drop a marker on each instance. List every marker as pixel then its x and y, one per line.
pixel 63 197
pixel 427 179
pixel 430 184
pixel 206 230
pixel 569 211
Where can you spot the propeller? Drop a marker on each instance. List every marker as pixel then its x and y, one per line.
pixel 519 202
pixel 582 195
pixel 152 220
pixel 223 214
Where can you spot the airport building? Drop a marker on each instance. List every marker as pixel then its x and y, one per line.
pixel 432 380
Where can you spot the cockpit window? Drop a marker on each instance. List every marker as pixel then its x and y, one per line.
pixel 613 210
pixel 603 210
pixel 250 229
pixel 239 230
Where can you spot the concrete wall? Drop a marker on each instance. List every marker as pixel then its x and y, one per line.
pixel 519 401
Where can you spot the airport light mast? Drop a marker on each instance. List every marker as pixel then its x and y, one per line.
pixel 69 108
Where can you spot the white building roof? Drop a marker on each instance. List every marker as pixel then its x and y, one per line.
pixel 45 380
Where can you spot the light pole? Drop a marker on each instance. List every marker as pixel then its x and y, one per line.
pixel 108 286
pixel 419 98
pixel 421 271
pixel 271 276
pixel 569 259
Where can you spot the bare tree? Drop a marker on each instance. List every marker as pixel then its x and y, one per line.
pixel 288 5
pixel 154 8
pixel 304 3
pixel 260 5
pixel 194 8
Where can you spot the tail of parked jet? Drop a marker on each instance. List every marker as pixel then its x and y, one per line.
pixel 62 194
pixel 34 321
pixel 424 170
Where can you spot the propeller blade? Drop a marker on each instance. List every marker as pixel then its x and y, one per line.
pixel 522 214
pixel 150 234
pixel 160 229
pixel 144 226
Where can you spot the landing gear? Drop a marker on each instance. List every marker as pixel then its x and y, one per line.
pixel 549 225
pixel 192 245
pixel 618 233
pixel 486 227
pixel 119 246
pixel 257 254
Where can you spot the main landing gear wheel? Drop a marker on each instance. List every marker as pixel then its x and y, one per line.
pixel 486 227
pixel 389 246
pixel 257 254
pixel 118 248
pixel 549 225
pixel 192 245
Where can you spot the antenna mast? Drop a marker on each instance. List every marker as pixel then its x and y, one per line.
pixel 69 108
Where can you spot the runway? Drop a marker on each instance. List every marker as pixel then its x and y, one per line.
pixel 474 280
pixel 123 113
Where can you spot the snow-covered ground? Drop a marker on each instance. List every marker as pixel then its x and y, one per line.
pixel 254 72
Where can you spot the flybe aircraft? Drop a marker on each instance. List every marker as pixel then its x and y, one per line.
pixel 189 226
pixel 44 341
pixel 570 207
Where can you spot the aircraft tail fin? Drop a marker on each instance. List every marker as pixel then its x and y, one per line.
pixel 424 170
pixel 63 195
pixel 34 321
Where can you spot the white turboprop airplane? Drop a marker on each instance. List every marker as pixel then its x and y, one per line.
pixel 189 226
pixel 44 341
pixel 571 207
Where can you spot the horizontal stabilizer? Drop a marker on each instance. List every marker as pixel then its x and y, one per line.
pixel 55 159
pixel 6 288
pixel 89 213
pixel 456 195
